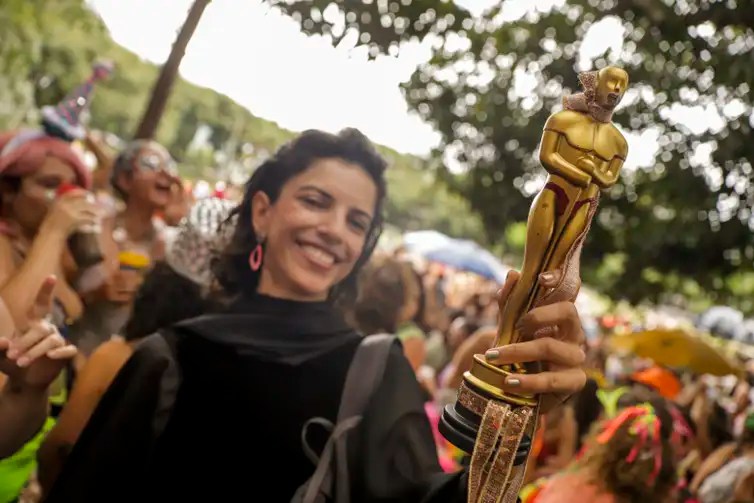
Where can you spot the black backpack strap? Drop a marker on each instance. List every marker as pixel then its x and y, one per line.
pixel 364 376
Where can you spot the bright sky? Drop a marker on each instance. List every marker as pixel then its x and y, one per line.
pixel 262 60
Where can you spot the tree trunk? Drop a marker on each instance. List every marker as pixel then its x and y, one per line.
pixel 168 72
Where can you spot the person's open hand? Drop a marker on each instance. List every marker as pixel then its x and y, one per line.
pixel 33 356
pixel 551 335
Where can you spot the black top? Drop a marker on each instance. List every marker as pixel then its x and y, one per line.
pixel 250 380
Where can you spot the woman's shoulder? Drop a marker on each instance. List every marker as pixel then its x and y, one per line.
pixel 573 487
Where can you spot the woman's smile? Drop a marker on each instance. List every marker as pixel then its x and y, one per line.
pixel 317 255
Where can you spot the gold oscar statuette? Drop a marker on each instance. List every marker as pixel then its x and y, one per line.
pixel 583 153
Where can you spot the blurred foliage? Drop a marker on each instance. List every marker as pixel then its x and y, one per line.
pixel 680 227
pixel 48 47
pixel 417 200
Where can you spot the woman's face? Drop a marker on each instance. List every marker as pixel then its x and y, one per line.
pixel 31 202
pixel 151 179
pixel 315 231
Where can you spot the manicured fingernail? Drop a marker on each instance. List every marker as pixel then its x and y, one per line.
pixel 12 353
pixel 492 354
pixel 512 381
pixel 547 276
pixel 23 361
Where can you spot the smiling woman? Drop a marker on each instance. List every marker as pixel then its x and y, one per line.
pixel 277 373
pixel 315 231
pixel 312 215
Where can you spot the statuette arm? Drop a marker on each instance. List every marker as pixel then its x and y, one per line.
pixel 556 163
pixel 607 180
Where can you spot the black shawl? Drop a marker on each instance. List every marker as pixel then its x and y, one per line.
pixel 249 379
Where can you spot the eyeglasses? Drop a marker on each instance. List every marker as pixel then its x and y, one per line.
pixel 152 161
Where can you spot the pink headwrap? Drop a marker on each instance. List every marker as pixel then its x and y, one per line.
pixel 23 152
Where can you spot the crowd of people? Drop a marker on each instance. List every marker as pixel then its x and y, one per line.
pixel 206 351
pixel 636 432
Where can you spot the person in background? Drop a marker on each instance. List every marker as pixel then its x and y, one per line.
pixel 387 302
pixel 628 459
pixel 709 419
pixel 715 480
pixel 35 226
pixel 479 342
pixel 442 350
pixel 438 353
pixel 430 315
pixel 143 176
pixel 740 406
pixel 32 355
pixel 587 410
pixel 559 434
pixel 657 380
pixel 460 330
pixel 29 362
pixel 35 223
pixel 474 307
pixel 185 275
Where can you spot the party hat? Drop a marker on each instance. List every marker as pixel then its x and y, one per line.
pixel 64 119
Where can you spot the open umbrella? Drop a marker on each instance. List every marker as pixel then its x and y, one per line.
pixel 722 321
pixel 457 253
pixel 423 241
pixel 677 349
pixel 744 332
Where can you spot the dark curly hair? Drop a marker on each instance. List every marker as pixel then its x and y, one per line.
pixel 232 269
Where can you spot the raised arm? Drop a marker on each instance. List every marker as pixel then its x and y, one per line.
pixel 105 161
pixel 31 357
pixel 19 287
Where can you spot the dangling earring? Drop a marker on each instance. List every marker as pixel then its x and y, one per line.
pixel 255 258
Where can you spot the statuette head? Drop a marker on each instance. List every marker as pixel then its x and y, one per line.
pixel 611 86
